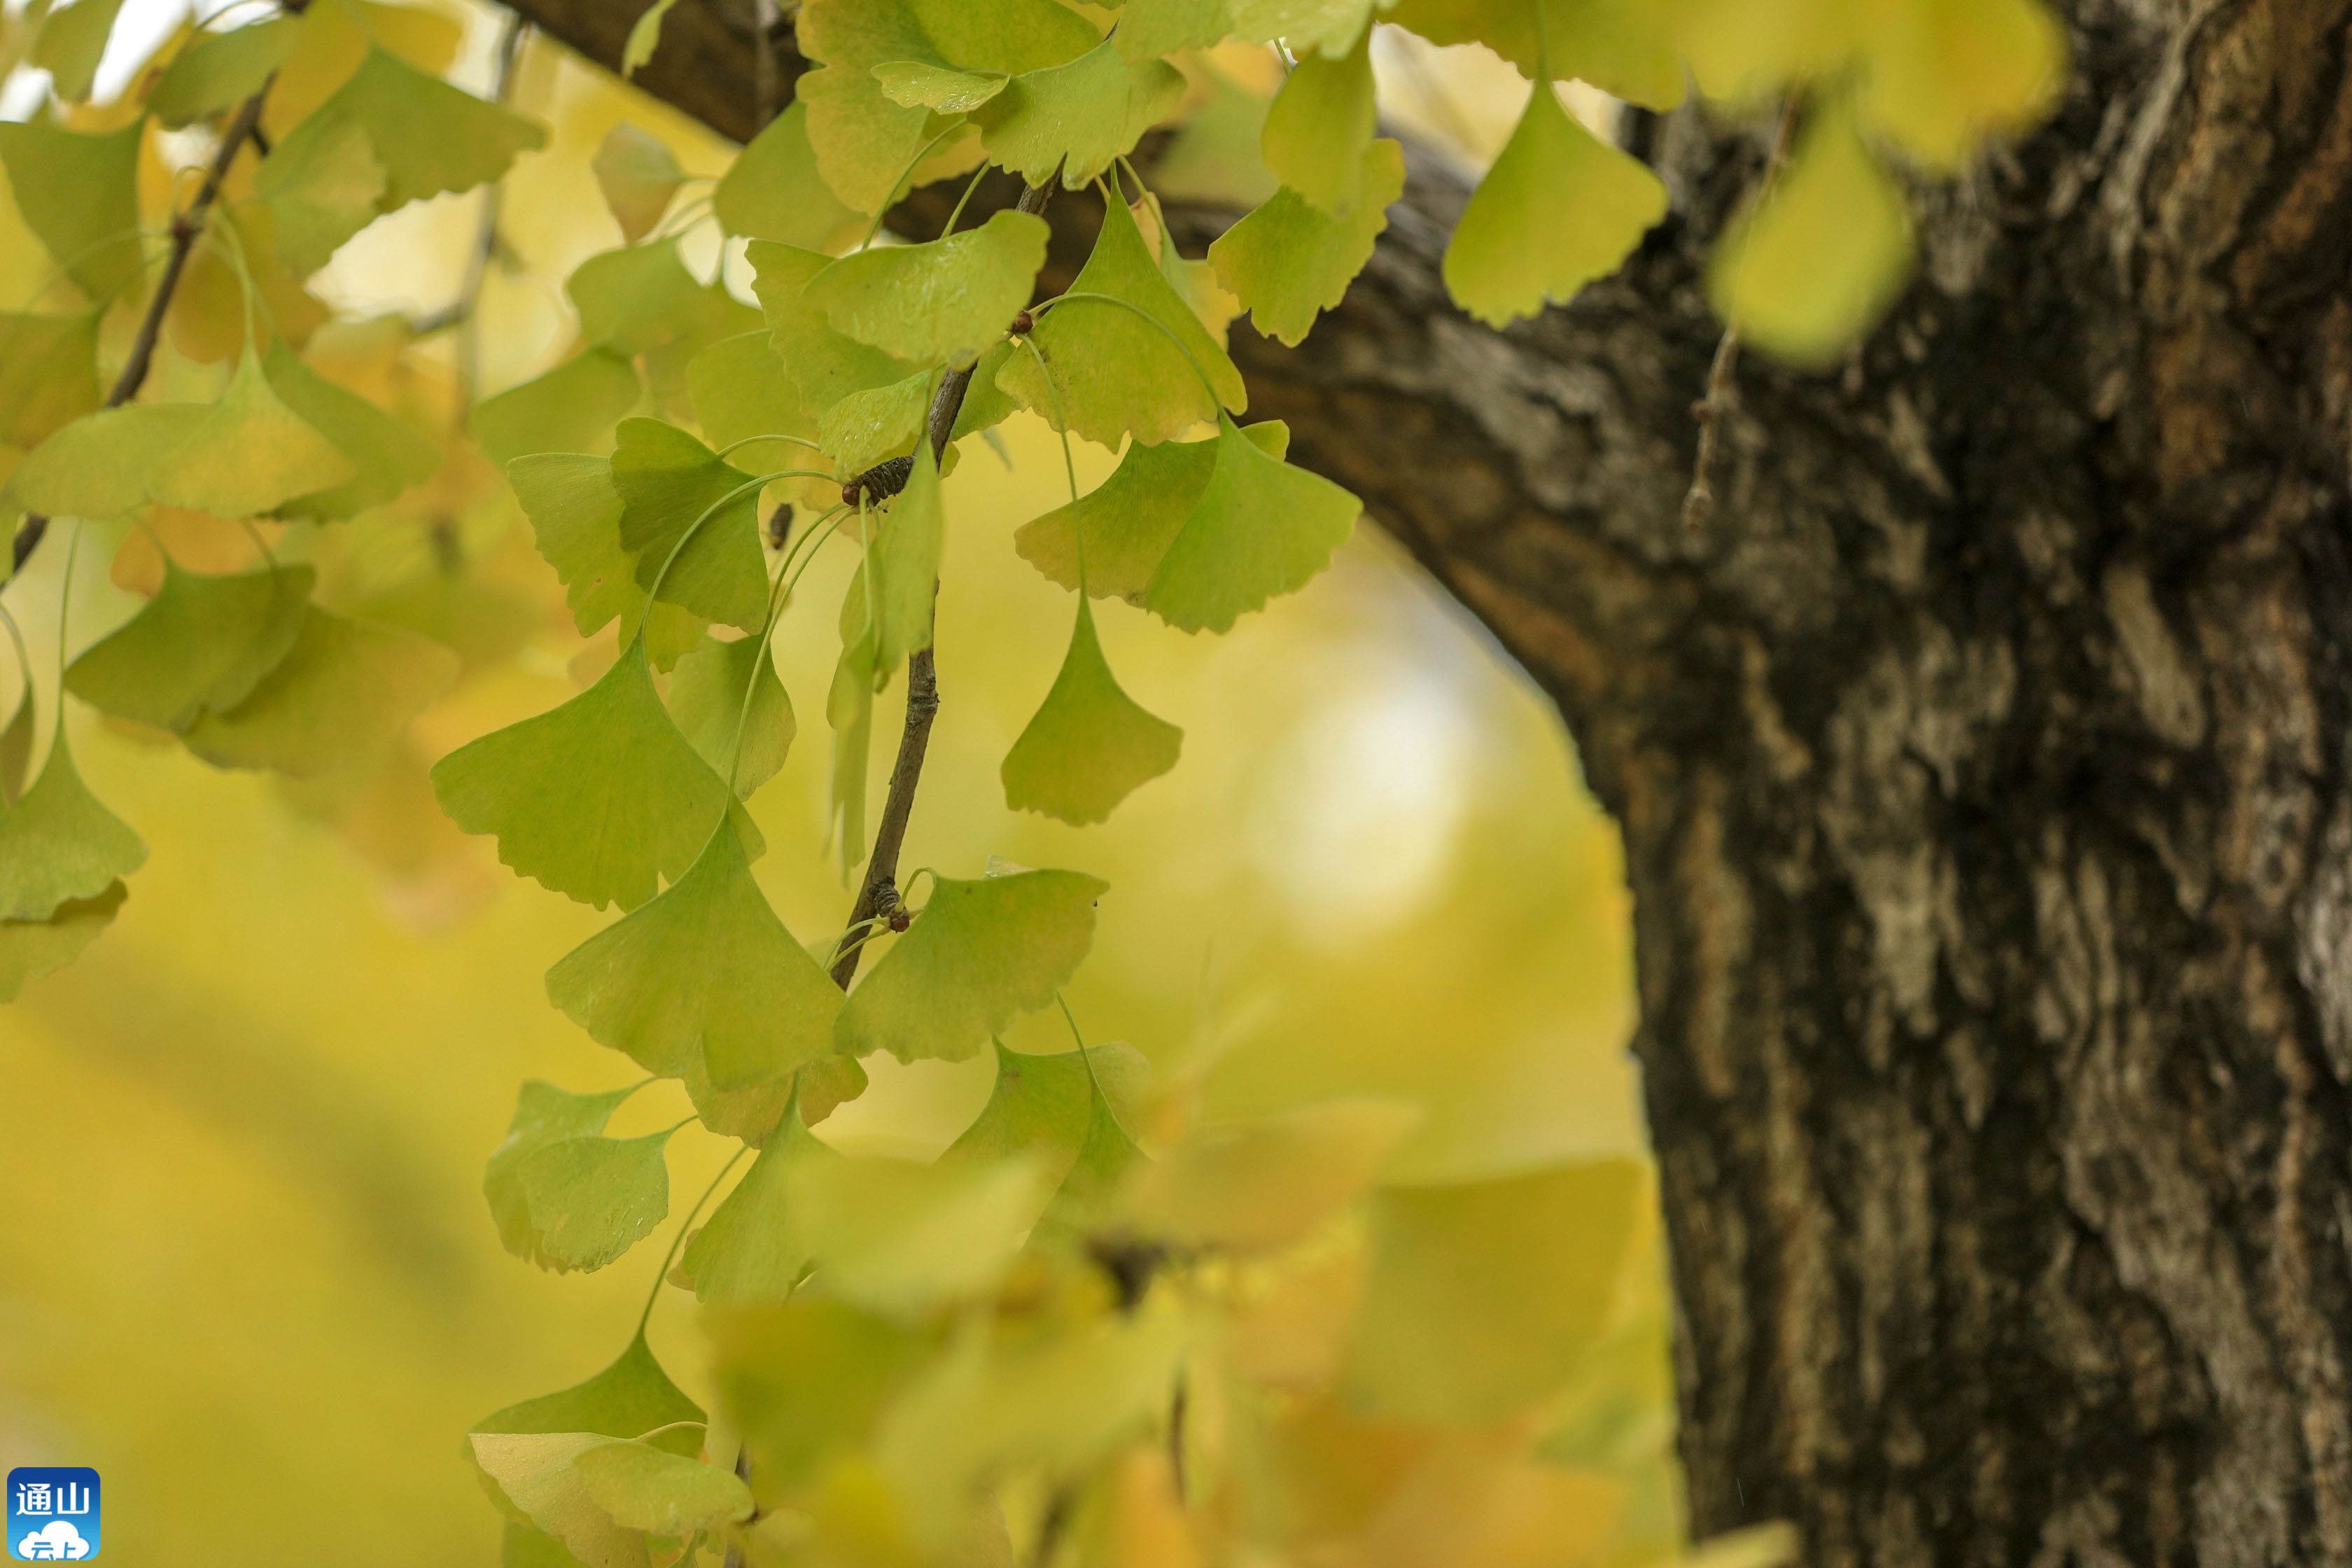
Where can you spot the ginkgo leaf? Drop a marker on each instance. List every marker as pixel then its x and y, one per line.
pixel 867 427
pixel 537 1473
pixel 945 300
pixel 344 692
pixel 543 1115
pixel 1559 208
pixel 1261 528
pixel 1195 281
pixel 1132 517
pixel 79 193
pixel 1320 126
pixel 922 84
pixel 1944 74
pixel 575 517
pixel 826 364
pixel 1330 27
pixel 70 43
pixel 1269 1183
pixel 639 176
pixel 773 190
pixel 985 403
pixel 29 948
pixel 906 565
pixel 1215 156
pixel 705 969
pixel 1078 117
pixel 1289 260
pixel 1090 745
pixel 849 713
pixel 648 1489
pixel 740 389
pixel 591 1199
pixel 429 136
pixel 321 186
pixel 48 373
pixel 1822 253
pixel 627 1399
pixel 102 464
pixel 681 500
pixel 388 455
pixel 707 699
pixel 1627 49
pixel 1150 28
pixel 248 454
pixel 202 642
pixel 572 408
pixel 1118 375
pixel 899 1237
pixel 644 37
pixel 1066 1113
pixel 637 297
pixel 597 799
pixel 60 845
pixel 217 71
pixel 979 954
pixel 1483 1296
pixel 757 1244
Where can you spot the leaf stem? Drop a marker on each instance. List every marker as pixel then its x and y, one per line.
pixel 1165 330
pixel 185 230
pixel 749 487
pixel 676 1242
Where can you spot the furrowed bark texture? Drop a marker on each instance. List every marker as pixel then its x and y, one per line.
pixel 1982 765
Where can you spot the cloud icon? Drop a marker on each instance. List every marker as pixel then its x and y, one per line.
pixel 57 1542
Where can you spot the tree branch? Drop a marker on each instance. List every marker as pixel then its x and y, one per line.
pixel 186 228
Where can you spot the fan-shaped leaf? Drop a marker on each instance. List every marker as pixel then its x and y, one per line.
pixel 1261 528
pixel 543 1115
pixel 538 1474
pixel 79 193
pixel 644 1488
pixel 572 408
pixel 707 700
pixel 202 642
pixel 342 693
pixel 757 1245
pixel 70 43
pixel 639 176
pixel 670 484
pixel 29 948
pixel 217 71
pixel 946 300
pixel 773 190
pixel 60 845
pixel 1321 126
pixel 1090 745
pixel 1627 49
pixel 1133 516
pixel 589 1200
pixel 1290 260
pixel 388 455
pixel 1078 117
pixel 628 1398
pixel 48 373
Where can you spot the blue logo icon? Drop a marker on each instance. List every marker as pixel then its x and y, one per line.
pixel 52 1514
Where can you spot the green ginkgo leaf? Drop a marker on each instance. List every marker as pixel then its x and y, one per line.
pixel 1327 26
pixel 1261 528
pixel 826 364
pixel 202 642
pixel 1078 117
pixel 537 1474
pixel 773 191
pixel 1321 125
pixel 29 948
pixel 639 176
pixel 572 408
pixel 589 1200
pixel 71 42
pixel 1559 208
pixel 1150 28
pixel 543 1115
pixel 249 454
pixel 1625 47
pixel 867 427
pixel 104 464
pixel 740 389
pixel 707 699
pixel 899 1237
pixel 430 137
pixel 979 954
pixel 757 1245
pixel 1066 1113
pixel 648 1489
pixel 680 499
pixel 1289 260
pixel 708 970
pixel 79 193
pixel 17 739
pixel 60 845
pixel 946 300
pixel 388 455
pixel 1118 375
pixel 1823 252
pixel 1090 745
pixel 342 694
pixel 627 1399
pixel 48 373
pixel 1132 517
pixel 1267 1182
pixel 913 84
pixel 637 297
pixel 906 552
pixel 1482 1296
pixel 599 799
pixel 849 713
pixel 321 185
pixel 217 71
pixel 575 517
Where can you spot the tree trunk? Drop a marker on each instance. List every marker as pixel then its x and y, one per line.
pixel 1982 764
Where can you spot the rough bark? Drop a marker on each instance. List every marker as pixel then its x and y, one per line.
pixel 1982 764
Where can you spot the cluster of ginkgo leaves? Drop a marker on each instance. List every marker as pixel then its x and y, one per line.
pixel 1094 1330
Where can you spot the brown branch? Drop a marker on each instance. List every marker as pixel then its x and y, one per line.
pixel 185 231
pixel 880 889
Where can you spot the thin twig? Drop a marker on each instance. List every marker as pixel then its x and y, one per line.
pixel 1722 388
pixel 466 308
pixel 922 693
pixel 186 228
